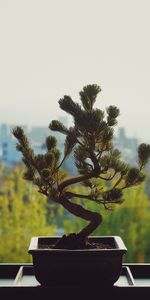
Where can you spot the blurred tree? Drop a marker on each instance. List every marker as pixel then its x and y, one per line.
pixel 22 215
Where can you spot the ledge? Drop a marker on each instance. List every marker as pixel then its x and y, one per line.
pixel 17 281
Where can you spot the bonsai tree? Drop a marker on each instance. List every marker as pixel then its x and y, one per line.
pixel 91 141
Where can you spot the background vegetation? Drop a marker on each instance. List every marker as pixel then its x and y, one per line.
pixel 24 213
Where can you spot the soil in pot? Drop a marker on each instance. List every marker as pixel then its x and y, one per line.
pixel 73 242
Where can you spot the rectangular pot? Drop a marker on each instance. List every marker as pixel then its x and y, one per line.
pixel 76 267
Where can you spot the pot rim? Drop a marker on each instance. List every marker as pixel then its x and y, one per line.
pixel 120 246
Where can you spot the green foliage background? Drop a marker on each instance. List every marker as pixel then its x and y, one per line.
pixel 24 213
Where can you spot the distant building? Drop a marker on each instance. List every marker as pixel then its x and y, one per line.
pixel 8 152
pixel 127 146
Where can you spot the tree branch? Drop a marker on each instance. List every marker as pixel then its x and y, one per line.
pixel 108 178
pixel 118 181
pixel 74 180
pixel 75 195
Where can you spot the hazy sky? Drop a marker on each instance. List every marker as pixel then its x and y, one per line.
pixel 49 48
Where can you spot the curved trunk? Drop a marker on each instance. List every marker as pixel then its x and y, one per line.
pixel 77 210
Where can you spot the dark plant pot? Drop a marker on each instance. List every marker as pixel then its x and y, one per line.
pixel 76 267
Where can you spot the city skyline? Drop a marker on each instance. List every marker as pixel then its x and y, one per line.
pixel 37 136
pixel 52 48
pixel 30 127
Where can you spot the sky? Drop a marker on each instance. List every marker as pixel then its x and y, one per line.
pixel 51 48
